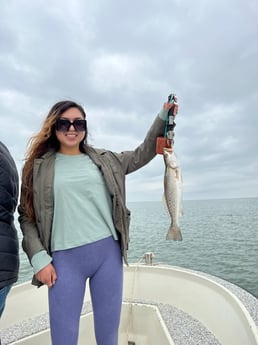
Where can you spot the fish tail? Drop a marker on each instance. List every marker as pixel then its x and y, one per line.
pixel 174 233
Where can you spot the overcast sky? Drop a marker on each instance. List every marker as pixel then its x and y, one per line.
pixel 120 60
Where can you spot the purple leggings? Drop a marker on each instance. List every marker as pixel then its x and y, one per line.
pixel 101 262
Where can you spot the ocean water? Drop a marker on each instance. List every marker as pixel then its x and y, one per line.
pixel 220 237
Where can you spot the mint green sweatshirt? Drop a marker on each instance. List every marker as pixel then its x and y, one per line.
pixel 82 206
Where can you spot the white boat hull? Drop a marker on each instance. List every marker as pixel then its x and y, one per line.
pixel 146 290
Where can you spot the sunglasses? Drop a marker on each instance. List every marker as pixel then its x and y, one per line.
pixel 63 125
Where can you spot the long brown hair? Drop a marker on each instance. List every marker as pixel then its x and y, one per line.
pixel 39 144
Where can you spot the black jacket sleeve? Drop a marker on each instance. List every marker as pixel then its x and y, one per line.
pixel 9 191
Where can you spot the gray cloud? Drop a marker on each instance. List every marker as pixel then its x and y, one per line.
pixel 121 60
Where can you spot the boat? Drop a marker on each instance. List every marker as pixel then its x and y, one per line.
pixel 162 305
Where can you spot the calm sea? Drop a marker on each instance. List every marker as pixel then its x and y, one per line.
pixel 219 237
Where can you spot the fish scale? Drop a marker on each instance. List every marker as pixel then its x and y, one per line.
pixel 173 193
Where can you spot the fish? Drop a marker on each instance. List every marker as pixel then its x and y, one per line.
pixel 173 193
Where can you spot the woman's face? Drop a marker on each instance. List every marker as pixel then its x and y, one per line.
pixel 70 138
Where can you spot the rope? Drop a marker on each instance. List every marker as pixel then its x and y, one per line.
pixel 132 297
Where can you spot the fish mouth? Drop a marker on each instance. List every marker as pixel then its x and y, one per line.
pixel 167 149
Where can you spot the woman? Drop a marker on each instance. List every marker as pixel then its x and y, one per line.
pixel 75 222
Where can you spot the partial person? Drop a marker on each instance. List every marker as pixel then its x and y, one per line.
pixel 75 222
pixel 9 245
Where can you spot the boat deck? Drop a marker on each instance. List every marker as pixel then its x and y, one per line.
pixel 183 329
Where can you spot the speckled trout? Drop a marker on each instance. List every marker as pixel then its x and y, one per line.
pixel 173 193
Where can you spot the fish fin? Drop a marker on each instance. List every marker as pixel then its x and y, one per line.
pixel 174 233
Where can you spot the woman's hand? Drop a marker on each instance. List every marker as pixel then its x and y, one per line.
pixel 47 275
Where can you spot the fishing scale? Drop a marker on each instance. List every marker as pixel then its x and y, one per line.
pixel 168 138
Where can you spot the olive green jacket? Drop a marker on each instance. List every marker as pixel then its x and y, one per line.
pixel 114 167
